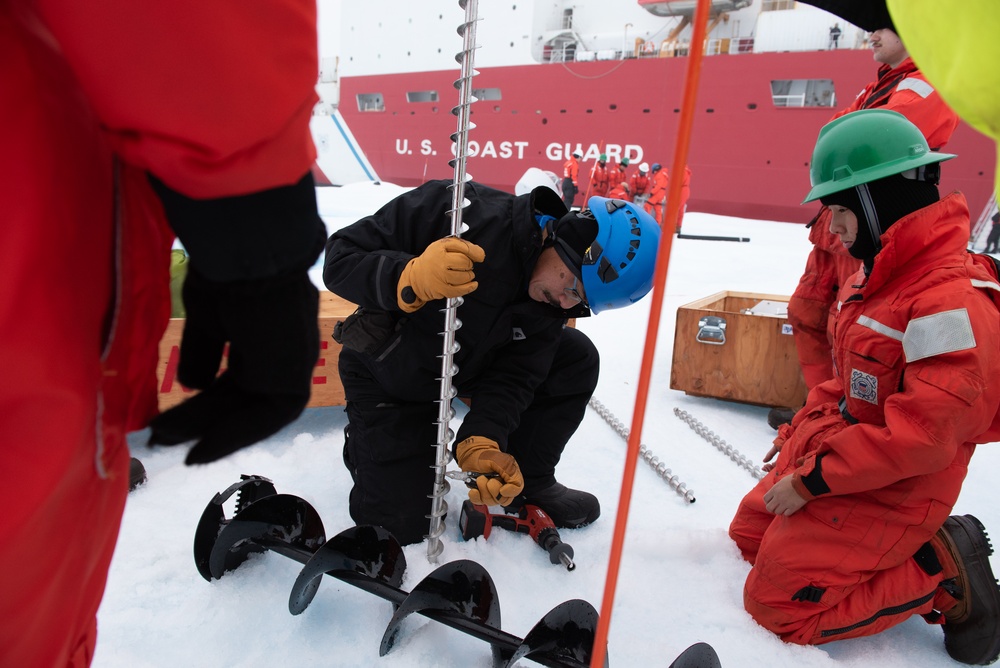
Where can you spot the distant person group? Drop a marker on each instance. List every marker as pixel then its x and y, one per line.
pixel 646 187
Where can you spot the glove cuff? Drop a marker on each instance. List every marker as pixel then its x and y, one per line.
pixel 247 237
pixel 406 296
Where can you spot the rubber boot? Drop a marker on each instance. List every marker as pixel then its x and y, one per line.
pixel 568 508
pixel 136 474
pixel 972 627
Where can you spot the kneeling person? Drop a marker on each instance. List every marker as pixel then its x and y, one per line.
pixel 524 266
pixel 849 532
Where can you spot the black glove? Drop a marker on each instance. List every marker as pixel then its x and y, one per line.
pixel 273 334
pixel 269 320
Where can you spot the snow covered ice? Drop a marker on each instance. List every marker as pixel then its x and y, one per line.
pixel 681 578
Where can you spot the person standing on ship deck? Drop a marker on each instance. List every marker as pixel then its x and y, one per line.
pixel 834 36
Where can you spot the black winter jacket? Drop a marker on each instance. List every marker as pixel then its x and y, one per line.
pixel 507 340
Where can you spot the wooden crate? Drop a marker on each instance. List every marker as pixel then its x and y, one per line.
pixel 326 387
pixel 751 360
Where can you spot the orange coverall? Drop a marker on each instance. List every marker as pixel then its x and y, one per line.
pixel 830 269
pixel 94 96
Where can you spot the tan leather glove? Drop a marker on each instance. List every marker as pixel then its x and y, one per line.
pixel 482 455
pixel 443 270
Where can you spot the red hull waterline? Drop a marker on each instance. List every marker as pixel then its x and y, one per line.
pixel 748 157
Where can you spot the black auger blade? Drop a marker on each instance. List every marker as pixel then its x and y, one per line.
pixel 698 655
pixel 459 594
pixel 282 523
pixel 359 553
pixel 461 589
pixel 564 636
pixel 250 488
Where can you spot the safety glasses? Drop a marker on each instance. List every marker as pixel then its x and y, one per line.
pixel 574 293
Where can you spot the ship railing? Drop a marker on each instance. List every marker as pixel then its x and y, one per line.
pixel 789 100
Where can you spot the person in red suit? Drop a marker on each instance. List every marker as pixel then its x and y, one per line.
pixel 616 173
pixel 829 270
pixel 640 184
pixel 130 126
pixel 599 178
pixel 570 184
pixel 850 531
pixel 620 191
pixel 657 202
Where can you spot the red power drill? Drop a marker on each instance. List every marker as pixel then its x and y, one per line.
pixel 477 521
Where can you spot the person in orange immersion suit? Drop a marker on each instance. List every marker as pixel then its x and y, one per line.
pixel 657 201
pixel 685 195
pixel 639 184
pixel 849 531
pixel 100 155
pixel 599 178
pixel 616 173
pixel 620 191
pixel 829 270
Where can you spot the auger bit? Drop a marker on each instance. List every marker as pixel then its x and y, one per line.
pixel 564 636
pixel 368 557
pixel 461 592
pixel 264 520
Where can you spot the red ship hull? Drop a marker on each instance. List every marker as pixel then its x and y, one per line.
pixel 748 157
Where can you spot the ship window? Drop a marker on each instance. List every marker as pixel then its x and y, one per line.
pixel 776 5
pixel 422 96
pixel 803 93
pixel 371 102
pixel 486 93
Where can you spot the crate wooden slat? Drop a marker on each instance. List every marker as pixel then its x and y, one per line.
pixel 757 364
pixel 326 387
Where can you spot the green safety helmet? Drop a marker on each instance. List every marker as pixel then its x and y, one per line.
pixel 603 157
pixel 865 146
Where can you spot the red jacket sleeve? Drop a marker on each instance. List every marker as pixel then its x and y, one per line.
pixel 214 98
pixel 919 101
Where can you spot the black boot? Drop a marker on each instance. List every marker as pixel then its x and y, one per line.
pixel 568 508
pixel 779 416
pixel 136 474
pixel 971 628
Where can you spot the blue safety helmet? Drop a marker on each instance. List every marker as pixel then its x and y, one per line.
pixel 656 166
pixel 618 267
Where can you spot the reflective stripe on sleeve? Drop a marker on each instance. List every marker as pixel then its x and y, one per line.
pixel 918 86
pixel 944 332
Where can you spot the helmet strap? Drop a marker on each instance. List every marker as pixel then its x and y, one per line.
pixel 871 216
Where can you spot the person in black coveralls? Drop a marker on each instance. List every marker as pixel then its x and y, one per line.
pixel 524 266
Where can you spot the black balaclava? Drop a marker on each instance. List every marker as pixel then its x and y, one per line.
pixel 877 205
pixel 571 236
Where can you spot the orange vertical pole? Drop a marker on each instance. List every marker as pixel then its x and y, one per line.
pixel 659 283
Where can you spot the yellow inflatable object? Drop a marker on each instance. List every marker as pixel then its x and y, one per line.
pixel 957 47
